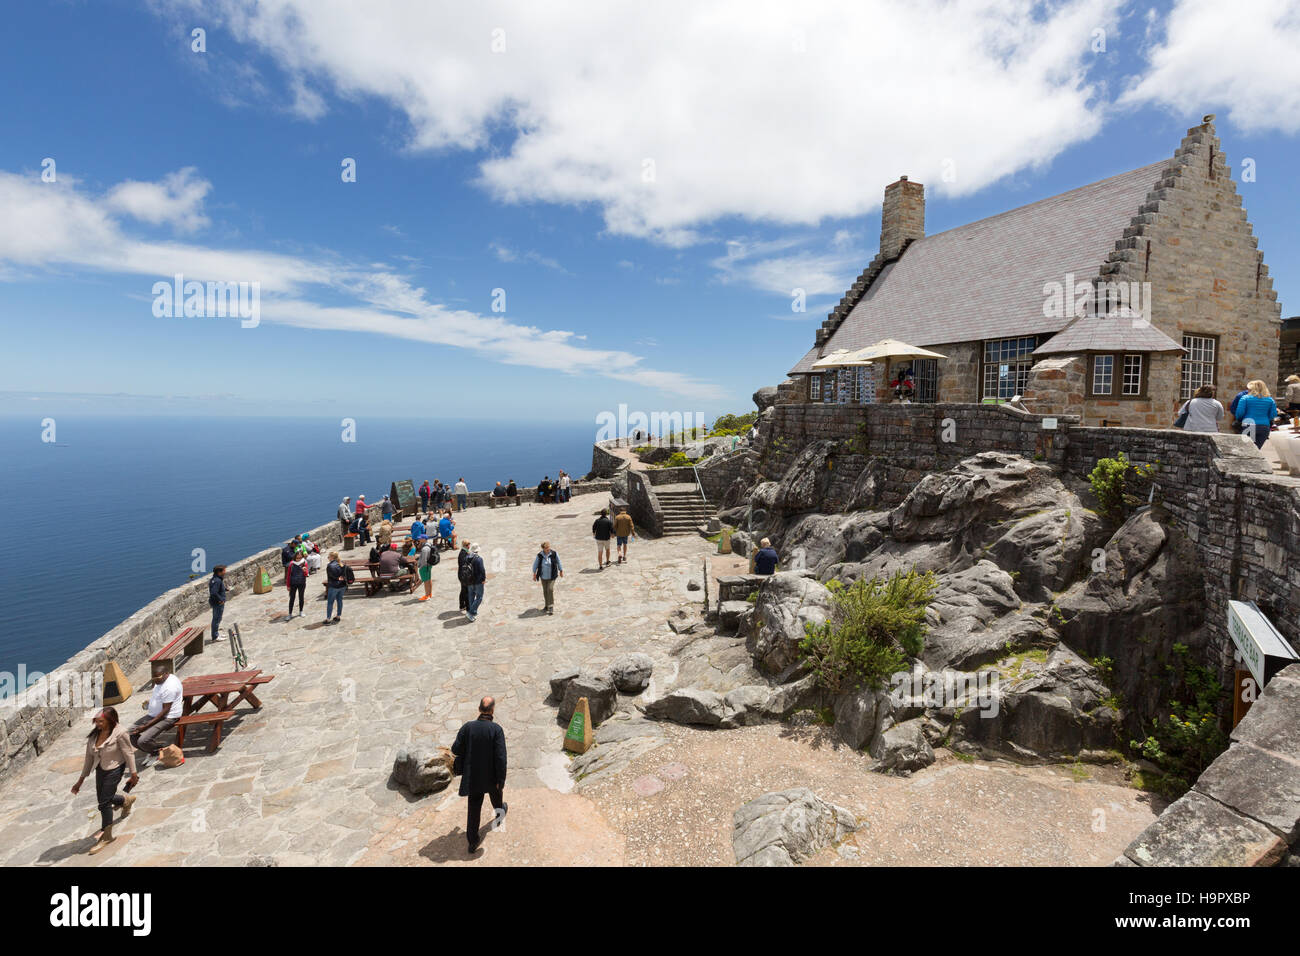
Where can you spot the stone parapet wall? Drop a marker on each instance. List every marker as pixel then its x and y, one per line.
pixel 643 505
pixel 30 722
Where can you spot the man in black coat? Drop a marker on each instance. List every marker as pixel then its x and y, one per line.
pixel 480 751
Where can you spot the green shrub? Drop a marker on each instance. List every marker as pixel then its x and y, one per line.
pixel 873 628
pixel 676 460
pixel 1188 740
pixel 733 424
pixel 1119 485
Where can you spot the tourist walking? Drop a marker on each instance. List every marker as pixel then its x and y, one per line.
pixel 217 598
pixel 1293 395
pixel 161 712
pixel 765 558
pixel 547 569
pixel 345 513
pixel 480 759
pixel 110 754
pixel 295 579
pixel 428 558
pixel 461 558
pixel 564 486
pixel 473 574
pixel 425 491
pixel 623 528
pixel 602 529
pixel 1255 412
pixel 462 495
pixel 1203 411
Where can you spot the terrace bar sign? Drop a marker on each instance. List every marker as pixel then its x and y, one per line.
pixel 1258 642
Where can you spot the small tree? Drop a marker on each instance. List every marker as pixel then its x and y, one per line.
pixel 873 628
pixel 1116 484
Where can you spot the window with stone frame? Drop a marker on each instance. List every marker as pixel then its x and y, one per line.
pixel 1006 366
pixel 814 388
pixel 1200 362
pixel 1132 383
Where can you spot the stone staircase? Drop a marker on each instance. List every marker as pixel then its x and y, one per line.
pixel 684 511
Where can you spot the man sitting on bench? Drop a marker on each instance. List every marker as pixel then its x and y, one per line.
pixel 391 565
pixel 162 711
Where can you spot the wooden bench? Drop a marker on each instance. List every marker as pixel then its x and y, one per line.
pixel 186 642
pixel 374 585
pixel 215 718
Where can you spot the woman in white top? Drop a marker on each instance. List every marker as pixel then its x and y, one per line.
pixel 1203 411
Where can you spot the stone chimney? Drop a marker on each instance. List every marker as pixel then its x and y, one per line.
pixel 902 218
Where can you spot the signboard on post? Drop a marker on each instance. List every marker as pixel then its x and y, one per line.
pixel 1261 647
pixel 402 495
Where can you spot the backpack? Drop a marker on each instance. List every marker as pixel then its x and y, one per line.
pixel 297 574
pixel 348 574
pixel 465 573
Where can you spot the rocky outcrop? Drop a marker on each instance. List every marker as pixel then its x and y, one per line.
pixel 787 603
pixel 788 827
pixel 765 397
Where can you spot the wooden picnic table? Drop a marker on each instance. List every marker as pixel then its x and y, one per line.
pixel 216 689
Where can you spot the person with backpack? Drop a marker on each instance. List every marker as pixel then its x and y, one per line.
pixel 1202 412
pixel 461 558
pixel 473 575
pixel 547 568
pixel 428 558
pixel 602 529
pixel 1255 412
pixel 217 598
pixel 295 579
pixel 425 491
pixel 337 578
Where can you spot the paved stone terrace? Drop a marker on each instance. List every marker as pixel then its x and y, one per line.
pixel 306 779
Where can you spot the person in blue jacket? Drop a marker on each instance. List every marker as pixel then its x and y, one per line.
pixel 1255 412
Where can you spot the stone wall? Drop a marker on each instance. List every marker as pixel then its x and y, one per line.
pixel 1244 809
pixel 31 721
pixel 604 464
pixel 719 471
pixel 643 505
pixel 1243 519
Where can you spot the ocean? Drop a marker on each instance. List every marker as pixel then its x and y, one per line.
pixel 120 504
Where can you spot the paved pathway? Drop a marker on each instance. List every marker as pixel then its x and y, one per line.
pixel 306 779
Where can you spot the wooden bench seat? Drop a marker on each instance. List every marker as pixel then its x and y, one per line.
pixel 215 717
pixel 186 642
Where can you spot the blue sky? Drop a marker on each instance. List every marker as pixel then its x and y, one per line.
pixel 648 186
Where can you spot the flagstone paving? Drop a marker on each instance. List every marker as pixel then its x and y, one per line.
pixel 305 780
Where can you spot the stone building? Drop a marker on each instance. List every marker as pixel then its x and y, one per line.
pixel 1113 301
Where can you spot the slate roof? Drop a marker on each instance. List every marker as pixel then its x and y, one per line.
pixel 985 280
pixel 1099 333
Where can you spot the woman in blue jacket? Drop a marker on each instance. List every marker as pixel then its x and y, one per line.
pixel 1256 411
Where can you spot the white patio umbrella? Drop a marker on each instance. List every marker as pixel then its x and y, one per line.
pixel 840 358
pixel 892 349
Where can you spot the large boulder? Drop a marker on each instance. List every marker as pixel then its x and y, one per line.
pixel 861 715
pixel 601 694
pixel 1046 550
pixel 631 672
pixel 421 771
pixel 806 481
pixel 689 705
pixel 965 605
pixel 903 748
pixel 765 397
pixel 560 682
pixel 787 828
pixel 813 541
pixel 787 602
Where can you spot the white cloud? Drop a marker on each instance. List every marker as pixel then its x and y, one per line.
pixel 784 265
pixel 55 225
pixel 176 199
pixel 1237 57
pixel 506 254
pixel 754 108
